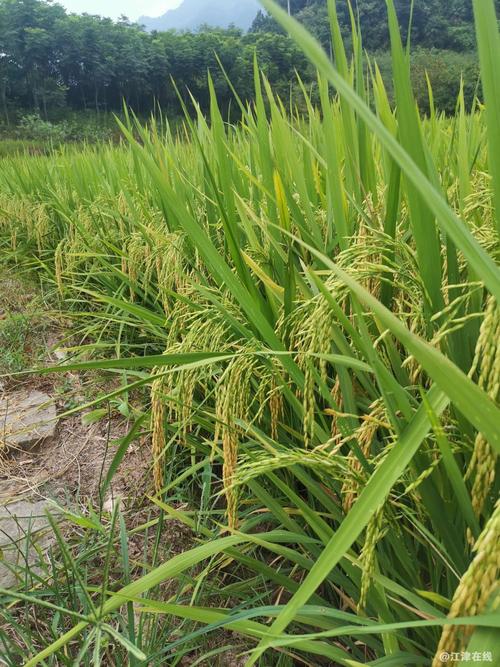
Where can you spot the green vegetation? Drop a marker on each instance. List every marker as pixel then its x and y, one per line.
pixel 14 333
pixel 52 62
pixel 21 326
pixel 310 301
pixel 434 24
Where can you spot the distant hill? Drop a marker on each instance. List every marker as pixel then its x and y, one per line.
pixel 191 14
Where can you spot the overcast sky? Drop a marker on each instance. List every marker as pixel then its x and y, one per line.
pixel 114 8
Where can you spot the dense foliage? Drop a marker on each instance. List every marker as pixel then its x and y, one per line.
pixel 439 24
pixel 312 303
pixel 51 60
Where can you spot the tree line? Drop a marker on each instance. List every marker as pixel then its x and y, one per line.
pixel 50 59
pixel 435 24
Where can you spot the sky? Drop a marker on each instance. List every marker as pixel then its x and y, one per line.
pixel 114 8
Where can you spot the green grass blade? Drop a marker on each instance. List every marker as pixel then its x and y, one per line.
pixel 165 571
pixel 372 496
pixel 450 223
pixel 488 42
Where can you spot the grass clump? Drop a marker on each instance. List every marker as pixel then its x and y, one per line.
pixel 23 324
pixel 15 332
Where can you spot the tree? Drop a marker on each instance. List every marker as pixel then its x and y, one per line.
pixel 50 59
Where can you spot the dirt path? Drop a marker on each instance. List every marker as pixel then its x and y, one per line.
pixel 49 461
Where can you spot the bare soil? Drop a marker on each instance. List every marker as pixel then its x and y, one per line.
pixel 70 467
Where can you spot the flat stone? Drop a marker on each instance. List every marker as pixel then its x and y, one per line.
pixel 25 534
pixel 26 419
pixel 60 354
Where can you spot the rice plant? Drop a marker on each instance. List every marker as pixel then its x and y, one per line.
pixel 311 298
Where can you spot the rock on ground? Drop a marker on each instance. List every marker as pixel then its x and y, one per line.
pixel 27 418
pixel 23 525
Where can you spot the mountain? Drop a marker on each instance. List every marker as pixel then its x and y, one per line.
pixel 191 14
